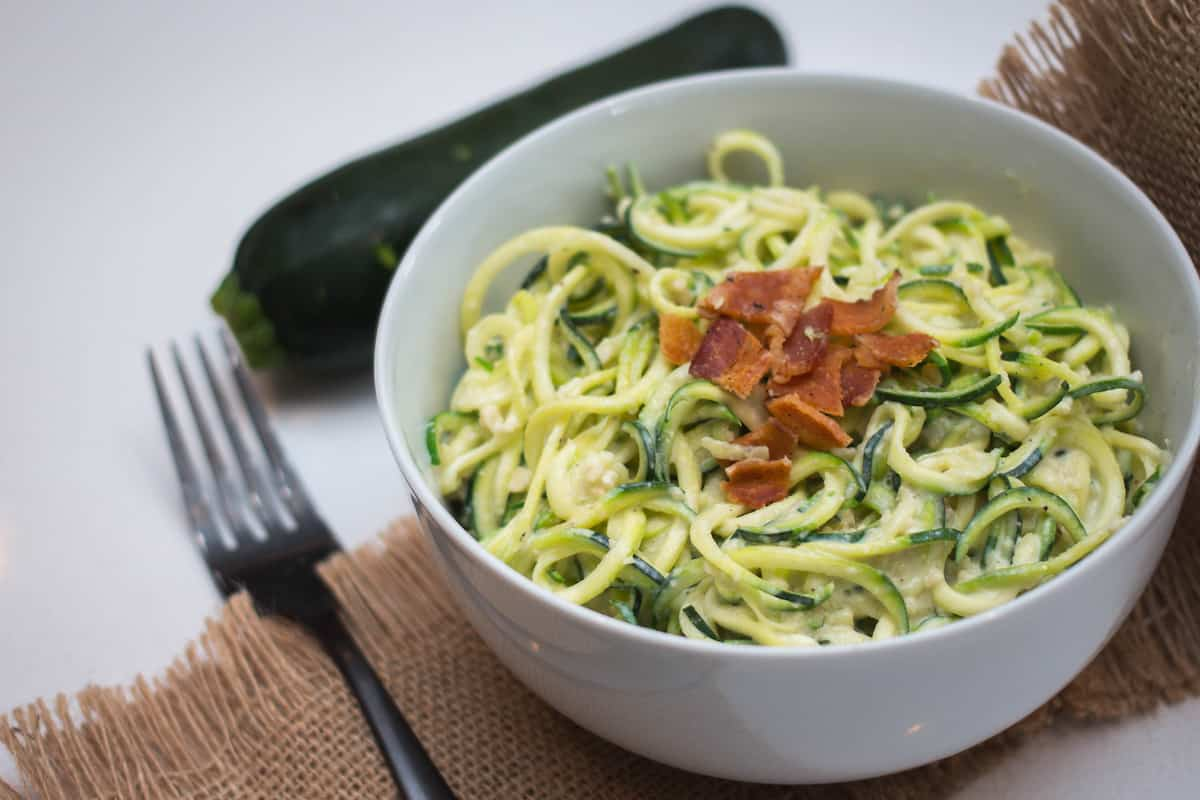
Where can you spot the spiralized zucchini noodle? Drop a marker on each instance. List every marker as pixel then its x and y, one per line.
pixel 574 451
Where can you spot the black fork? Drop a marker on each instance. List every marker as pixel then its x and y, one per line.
pixel 278 540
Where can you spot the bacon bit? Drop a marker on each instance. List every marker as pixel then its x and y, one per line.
pixel 821 388
pixel 779 441
pixel 771 298
pixel 764 333
pixel 805 347
pixel 858 384
pixel 756 483
pixel 866 316
pixel 868 360
pixel 730 356
pixel 906 350
pixel 811 427
pixel 784 316
pixel 678 337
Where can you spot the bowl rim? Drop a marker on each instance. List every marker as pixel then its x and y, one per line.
pixel 1170 484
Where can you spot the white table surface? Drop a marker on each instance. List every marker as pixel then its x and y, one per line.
pixel 135 145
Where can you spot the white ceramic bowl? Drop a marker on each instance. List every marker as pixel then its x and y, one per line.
pixel 834 713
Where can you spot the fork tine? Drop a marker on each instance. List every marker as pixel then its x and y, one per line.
pixel 289 486
pixel 199 514
pixel 227 484
pixel 252 477
pixel 206 440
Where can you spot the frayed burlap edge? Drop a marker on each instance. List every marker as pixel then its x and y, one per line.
pixel 1123 78
pixel 244 681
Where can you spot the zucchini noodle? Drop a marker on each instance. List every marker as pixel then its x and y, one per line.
pixel 577 454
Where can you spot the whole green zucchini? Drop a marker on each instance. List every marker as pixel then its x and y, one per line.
pixel 309 276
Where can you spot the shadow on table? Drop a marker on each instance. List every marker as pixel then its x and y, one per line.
pixel 287 388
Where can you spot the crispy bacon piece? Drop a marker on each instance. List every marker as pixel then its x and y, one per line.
pixel 755 483
pixel 805 346
pixel 866 316
pixel 779 441
pixel 868 360
pixel 731 357
pixel 906 350
pixel 858 383
pixel 770 298
pixel 811 427
pixel 678 337
pixel 821 388
pixel 764 333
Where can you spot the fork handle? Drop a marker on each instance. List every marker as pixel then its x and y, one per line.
pixel 411 767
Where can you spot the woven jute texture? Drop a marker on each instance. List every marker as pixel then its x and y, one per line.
pixel 254 710
pixel 1122 76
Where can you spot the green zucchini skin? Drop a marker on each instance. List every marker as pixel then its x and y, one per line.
pixel 940 397
pixel 309 276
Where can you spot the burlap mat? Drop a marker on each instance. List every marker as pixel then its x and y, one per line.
pixel 254 710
